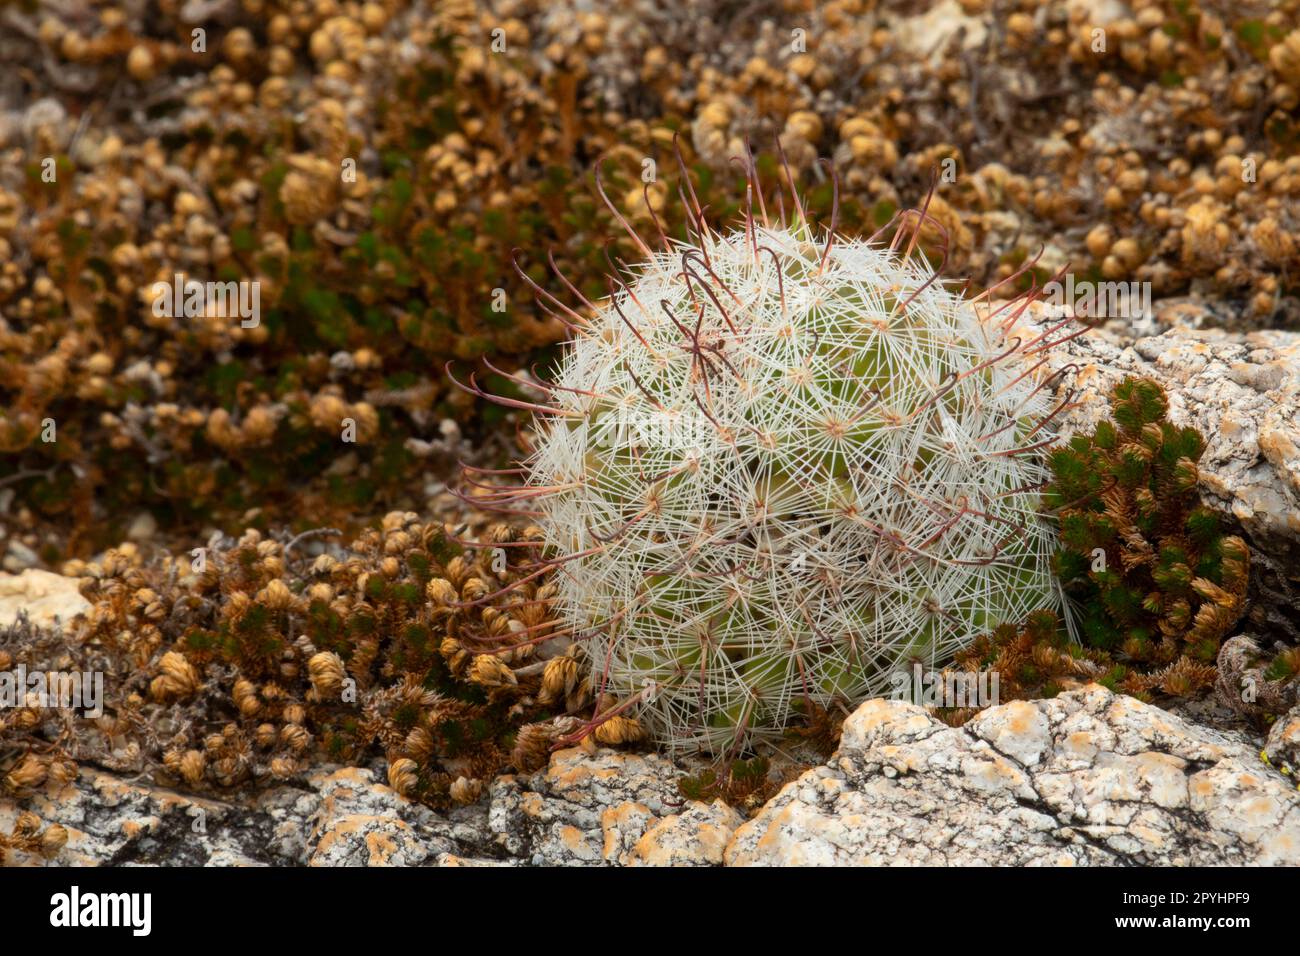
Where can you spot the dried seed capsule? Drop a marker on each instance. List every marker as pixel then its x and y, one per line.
pixel 466 790
pixel 192 765
pixel 53 840
pixel 327 673
pixel 403 775
pixel 489 671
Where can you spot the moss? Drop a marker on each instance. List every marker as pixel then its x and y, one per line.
pixel 1155 575
pixel 263 664
pixel 745 784
pixel 1155 580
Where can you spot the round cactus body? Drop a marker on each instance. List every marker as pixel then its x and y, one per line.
pixel 777 471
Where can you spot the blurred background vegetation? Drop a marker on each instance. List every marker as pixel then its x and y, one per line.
pixel 1151 141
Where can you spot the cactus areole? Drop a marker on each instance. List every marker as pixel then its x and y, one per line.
pixel 776 465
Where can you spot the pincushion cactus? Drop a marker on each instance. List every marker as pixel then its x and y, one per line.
pixel 776 465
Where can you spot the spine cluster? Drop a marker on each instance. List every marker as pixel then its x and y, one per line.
pixel 775 465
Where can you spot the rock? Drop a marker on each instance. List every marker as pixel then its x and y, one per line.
pixel 696 837
pixel 1096 13
pixel 1242 392
pixel 143 527
pixel 46 598
pixel 926 35
pixel 1282 748
pixel 18 556
pixel 204 11
pixel 111 821
pixel 1087 777
pixel 588 807
pixel 1210 712
pixel 360 822
pixel 584 808
pixel 337 817
pixel 451 859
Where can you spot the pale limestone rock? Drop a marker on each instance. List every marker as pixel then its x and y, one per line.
pixel 452 860
pixel 586 807
pixel 111 821
pixel 696 837
pixel 339 817
pixel 1096 13
pixel 622 827
pixel 1019 730
pixel 927 34
pixel 1086 778
pixel 593 806
pixel 361 822
pixel 47 598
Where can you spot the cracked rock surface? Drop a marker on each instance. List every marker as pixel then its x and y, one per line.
pixel 1086 778
pixel 589 807
pixel 606 807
